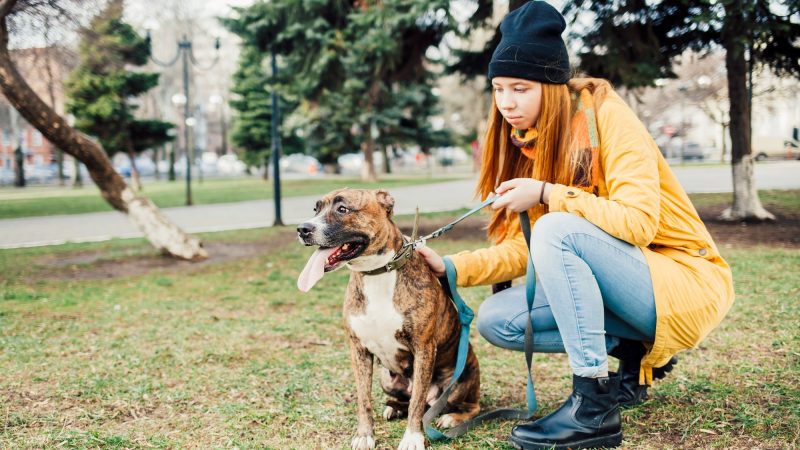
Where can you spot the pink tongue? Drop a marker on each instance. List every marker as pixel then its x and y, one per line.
pixel 315 268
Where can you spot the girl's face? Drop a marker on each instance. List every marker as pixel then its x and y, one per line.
pixel 518 100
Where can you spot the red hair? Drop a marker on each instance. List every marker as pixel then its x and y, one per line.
pixel 553 149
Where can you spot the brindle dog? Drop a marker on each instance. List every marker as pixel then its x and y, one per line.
pixel 402 317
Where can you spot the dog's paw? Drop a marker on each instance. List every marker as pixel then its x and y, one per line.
pixel 362 442
pixel 390 413
pixel 448 421
pixel 412 441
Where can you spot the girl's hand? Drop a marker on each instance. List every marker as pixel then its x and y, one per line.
pixel 435 262
pixel 519 194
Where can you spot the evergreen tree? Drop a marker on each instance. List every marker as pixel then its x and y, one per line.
pixel 353 64
pixel 100 90
pixel 252 86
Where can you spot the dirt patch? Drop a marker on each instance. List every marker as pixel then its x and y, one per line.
pixel 785 232
pixel 95 265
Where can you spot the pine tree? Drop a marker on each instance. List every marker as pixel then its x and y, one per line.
pixel 101 89
pixel 353 64
pixel 252 86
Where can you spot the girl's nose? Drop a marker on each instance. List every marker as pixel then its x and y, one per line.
pixel 505 101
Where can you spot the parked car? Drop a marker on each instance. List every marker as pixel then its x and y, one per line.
pixel 37 173
pixel 6 176
pixel 350 163
pixel 450 156
pixel 300 163
pixel 230 164
pixel 692 150
pixel 775 147
pixel 122 164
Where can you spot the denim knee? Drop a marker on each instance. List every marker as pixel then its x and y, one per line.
pixel 491 321
pixel 548 231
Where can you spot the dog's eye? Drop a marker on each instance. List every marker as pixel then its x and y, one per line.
pixel 343 209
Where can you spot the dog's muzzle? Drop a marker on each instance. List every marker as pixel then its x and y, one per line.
pixel 305 231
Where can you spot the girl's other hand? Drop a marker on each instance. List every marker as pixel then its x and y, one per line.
pixel 435 262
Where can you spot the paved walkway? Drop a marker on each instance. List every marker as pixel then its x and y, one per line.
pixel 49 230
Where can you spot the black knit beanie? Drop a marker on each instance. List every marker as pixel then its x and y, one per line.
pixel 531 47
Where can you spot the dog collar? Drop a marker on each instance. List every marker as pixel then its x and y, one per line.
pixel 401 258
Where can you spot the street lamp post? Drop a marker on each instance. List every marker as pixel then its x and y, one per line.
pixel 276 144
pixel 185 54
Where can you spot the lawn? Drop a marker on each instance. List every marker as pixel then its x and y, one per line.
pixel 107 345
pixel 53 200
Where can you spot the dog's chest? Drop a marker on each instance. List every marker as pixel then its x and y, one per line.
pixel 376 328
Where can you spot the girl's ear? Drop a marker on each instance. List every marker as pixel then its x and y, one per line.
pixel 385 200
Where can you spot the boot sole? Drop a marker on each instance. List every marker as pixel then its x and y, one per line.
pixel 608 441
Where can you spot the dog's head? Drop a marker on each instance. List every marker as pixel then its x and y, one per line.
pixel 348 223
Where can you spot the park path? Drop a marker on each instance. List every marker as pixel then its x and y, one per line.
pixel 446 196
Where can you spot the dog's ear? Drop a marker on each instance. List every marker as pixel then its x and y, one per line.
pixel 386 200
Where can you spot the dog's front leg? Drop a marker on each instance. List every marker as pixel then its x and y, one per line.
pixel 361 362
pixel 424 359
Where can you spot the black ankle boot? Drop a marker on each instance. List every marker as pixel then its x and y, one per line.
pixel 630 354
pixel 588 419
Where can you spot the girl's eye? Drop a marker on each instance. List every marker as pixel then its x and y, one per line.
pixel 342 209
pixel 497 89
pixel 520 90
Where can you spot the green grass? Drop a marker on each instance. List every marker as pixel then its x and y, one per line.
pixel 230 354
pixel 53 200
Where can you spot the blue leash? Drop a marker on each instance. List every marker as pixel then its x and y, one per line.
pixel 465 316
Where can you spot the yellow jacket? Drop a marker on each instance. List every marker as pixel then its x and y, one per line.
pixel 641 202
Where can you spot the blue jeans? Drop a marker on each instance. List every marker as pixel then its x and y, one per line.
pixel 592 289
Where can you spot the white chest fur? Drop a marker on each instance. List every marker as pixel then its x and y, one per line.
pixel 377 326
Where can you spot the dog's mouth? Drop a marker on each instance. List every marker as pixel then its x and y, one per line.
pixel 327 259
pixel 343 253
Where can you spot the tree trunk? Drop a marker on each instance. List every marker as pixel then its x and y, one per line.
pixel 171 170
pixel 746 204
pixel 161 233
pixel 60 165
pixel 368 174
pixel 724 150
pixel 387 161
pixel 19 167
pixel 135 181
pixel 77 178
pixel 158 153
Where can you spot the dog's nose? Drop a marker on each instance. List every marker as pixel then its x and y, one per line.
pixel 305 229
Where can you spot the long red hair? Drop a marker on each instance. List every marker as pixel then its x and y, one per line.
pixel 555 161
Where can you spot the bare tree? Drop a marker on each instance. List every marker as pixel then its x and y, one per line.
pixel 162 234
